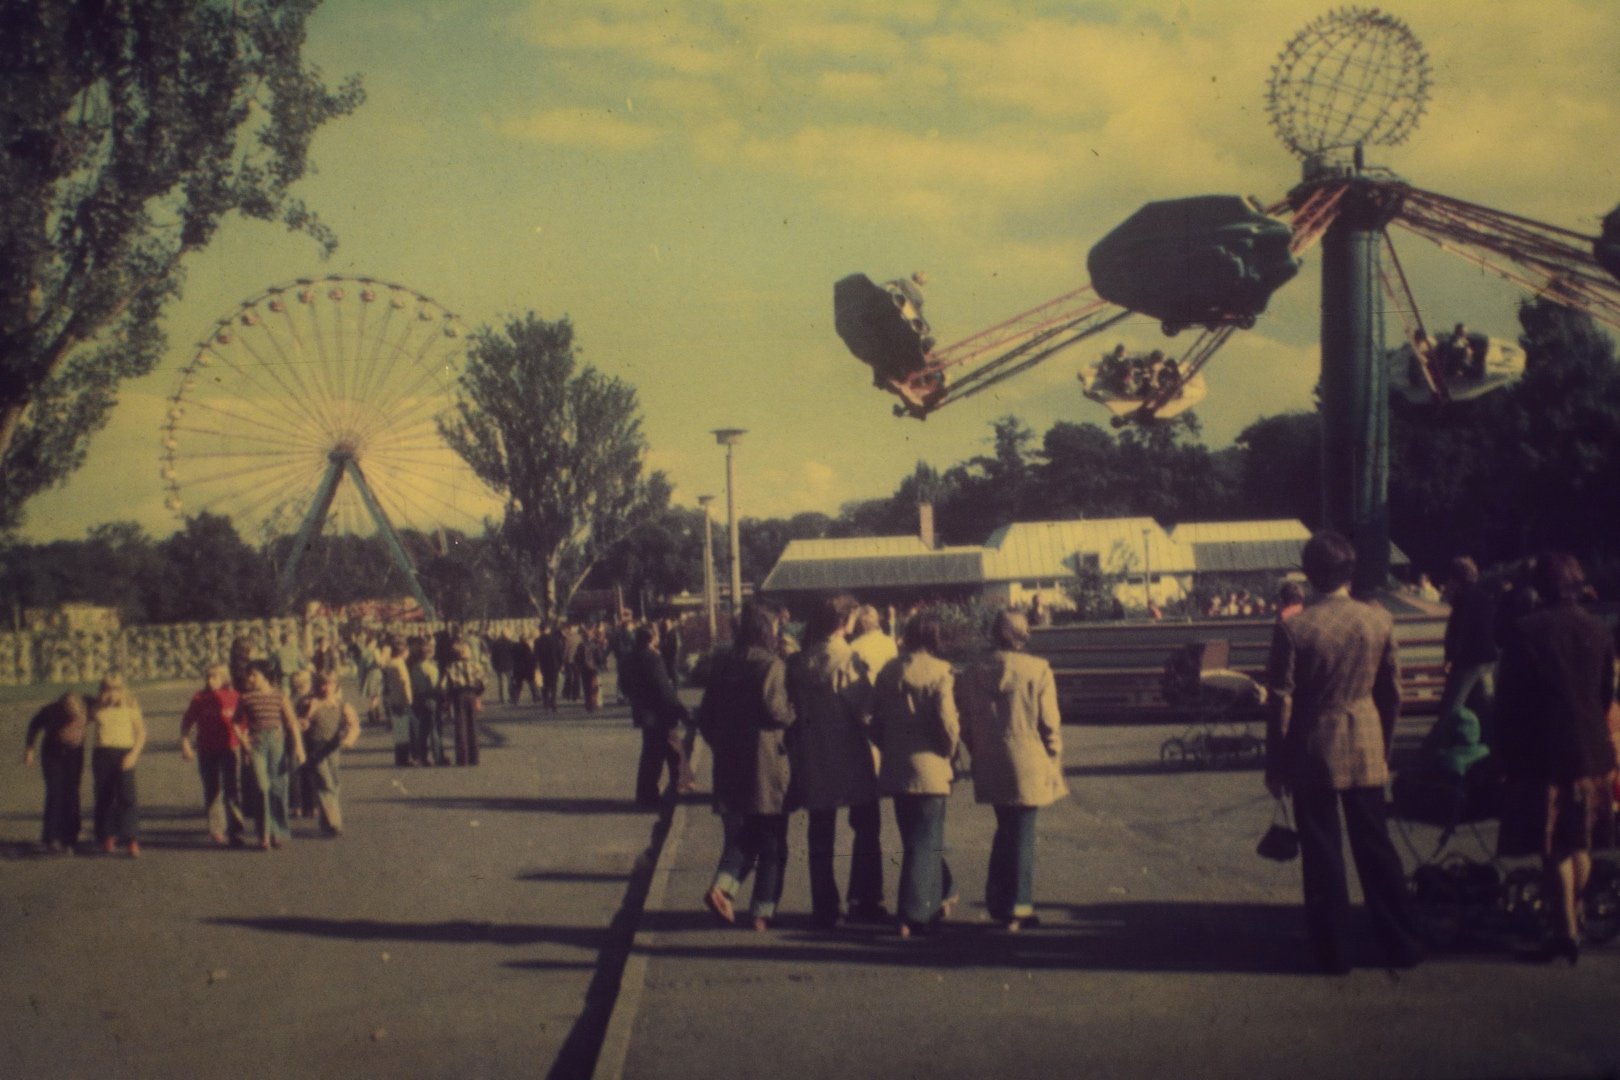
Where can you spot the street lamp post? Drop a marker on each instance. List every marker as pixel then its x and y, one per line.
pixel 1147 575
pixel 728 438
pixel 708 566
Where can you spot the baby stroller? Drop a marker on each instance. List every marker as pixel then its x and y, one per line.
pixel 1219 703
pixel 1460 900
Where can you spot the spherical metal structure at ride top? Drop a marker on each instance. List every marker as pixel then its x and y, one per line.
pixel 314 405
pixel 1354 77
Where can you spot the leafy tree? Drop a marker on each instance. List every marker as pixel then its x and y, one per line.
pixel 1519 469
pixel 1281 471
pixel 661 558
pixel 562 443
pixel 208 572
pixel 132 130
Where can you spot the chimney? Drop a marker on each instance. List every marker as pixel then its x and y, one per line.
pixel 925 524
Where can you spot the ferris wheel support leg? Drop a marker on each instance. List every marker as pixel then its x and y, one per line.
pixel 390 537
pixel 311 527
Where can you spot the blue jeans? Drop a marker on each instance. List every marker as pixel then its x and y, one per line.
pixel 865 866
pixel 925 877
pixel 1009 887
pixel 268 761
pixel 756 842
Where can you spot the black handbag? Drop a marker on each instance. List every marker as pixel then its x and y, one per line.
pixel 1280 842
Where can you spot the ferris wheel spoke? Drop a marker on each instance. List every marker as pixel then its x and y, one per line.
pixel 258 507
pixel 391 352
pixel 441 493
pixel 317 397
pixel 406 511
pixel 236 436
pixel 260 470
pixel 280 399
pixel 299 398
pixel 411 352
pixel 415 413
pixel 408 399
pixel 255 429
pixel 367 364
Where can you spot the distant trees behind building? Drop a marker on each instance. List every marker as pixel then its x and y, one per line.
pixel 1537 464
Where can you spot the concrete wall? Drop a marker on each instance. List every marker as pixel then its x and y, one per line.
pixel 174 651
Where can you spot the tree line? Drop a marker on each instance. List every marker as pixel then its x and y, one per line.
pixel 1534 465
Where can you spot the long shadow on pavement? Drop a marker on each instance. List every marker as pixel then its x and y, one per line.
pixel 1198 937
pixel 583 876
pixel 457 932
pixel 521 804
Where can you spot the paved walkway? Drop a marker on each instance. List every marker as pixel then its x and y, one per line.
pixel 463 926
pixel 475 923
pixel 1167 949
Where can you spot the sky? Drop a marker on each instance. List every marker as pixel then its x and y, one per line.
pixel 685 181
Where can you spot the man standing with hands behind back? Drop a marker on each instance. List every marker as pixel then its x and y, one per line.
pixel 1335 697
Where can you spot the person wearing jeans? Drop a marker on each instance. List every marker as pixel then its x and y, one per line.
pixel 916 727
pixel 268 729
pixel 1012 729
pixel 745 717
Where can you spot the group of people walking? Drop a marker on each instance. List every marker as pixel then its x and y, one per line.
pixel 111 726
pixel 851 719
pixel 417 688
pixel 562 661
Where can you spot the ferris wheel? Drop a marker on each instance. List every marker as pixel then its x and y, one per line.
pixel 313 406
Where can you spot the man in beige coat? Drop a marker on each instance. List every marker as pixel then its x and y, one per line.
pixel 1335 696
pixel 1011 726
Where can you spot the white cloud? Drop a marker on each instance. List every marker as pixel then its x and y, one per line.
pixel 602 128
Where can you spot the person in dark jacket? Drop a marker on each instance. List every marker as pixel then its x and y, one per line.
pixel 500 662
pixel 745 717
pixel 523 669
pixel 1554 691
pixel 669 647
pixel 59 730
pixel 1470 648
pixel 657 711
pixel 548 658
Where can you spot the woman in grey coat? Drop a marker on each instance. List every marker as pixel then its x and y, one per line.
pixel 1012 729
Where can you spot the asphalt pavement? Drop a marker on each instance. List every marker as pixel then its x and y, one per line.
pixel 469 923
pixel 525 919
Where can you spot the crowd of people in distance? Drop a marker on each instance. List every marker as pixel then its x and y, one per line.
pixel 1239 604
pixel 852 718
pixel 1138 375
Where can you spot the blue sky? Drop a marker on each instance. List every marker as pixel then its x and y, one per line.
pixel 687 180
